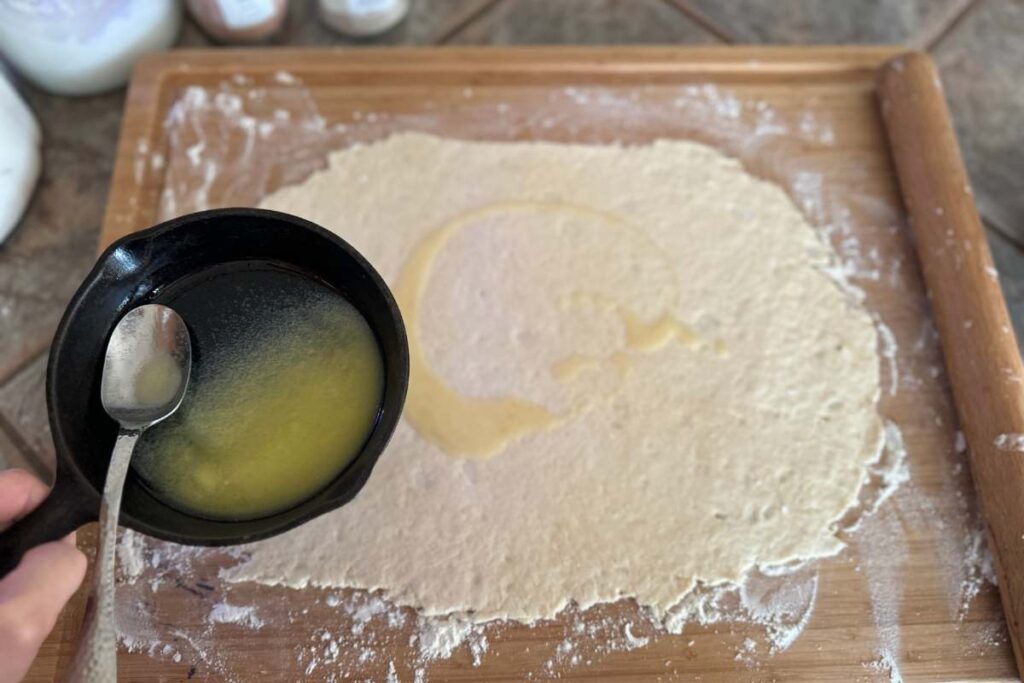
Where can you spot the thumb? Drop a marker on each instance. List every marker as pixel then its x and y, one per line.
pixel 31 598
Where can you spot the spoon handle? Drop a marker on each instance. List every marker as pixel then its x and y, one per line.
pixel 96 657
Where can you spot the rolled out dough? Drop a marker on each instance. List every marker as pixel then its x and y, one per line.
pixel 702 393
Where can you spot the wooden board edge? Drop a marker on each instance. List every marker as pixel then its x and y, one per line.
pixel 139 131
pixel 747 59
pixel 979 346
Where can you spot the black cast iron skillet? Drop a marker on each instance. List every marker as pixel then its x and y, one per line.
pixel 134 271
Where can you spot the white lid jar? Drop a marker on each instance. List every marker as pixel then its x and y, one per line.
pixel 85 46
pixel 363 18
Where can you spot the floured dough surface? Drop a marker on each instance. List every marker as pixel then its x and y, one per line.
pixel 697 395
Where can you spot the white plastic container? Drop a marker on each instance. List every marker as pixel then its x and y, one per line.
pixel 363 18
pixel 20 140
pixel 81 47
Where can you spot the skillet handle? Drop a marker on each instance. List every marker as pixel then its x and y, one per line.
pixel 65 509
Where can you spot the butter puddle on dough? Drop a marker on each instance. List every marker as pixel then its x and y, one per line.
pixel 481 427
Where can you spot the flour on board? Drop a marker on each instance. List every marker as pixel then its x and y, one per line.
pixel 259 121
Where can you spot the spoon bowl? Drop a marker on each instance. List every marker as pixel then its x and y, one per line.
pixel 146 367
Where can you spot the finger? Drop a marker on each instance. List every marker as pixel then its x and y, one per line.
pixel 20 493
pixel 44 580
pixel 31 598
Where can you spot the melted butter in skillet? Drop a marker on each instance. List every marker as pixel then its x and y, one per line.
pixel 286 387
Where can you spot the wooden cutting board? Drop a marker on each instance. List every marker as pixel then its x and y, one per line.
pixel 218 128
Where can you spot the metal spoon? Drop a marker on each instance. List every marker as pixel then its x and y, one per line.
pixel 145 373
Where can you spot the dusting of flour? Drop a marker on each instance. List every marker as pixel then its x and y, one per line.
pixel 271 135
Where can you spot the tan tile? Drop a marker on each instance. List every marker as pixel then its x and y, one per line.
pixel 45 258
pixel 827 21
pixel 23 409
pixel 982 61
pixel 582 22
pixel 11 455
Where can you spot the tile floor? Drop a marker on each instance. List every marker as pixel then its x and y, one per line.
pixel 977 44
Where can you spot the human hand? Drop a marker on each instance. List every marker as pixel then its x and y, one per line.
pixel 32 596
